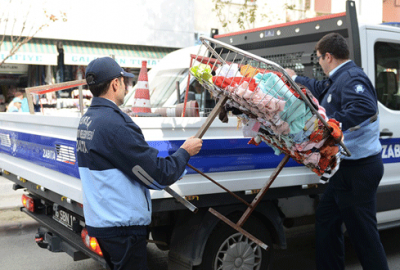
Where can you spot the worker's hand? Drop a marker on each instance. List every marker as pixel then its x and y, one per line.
pixel 192 145
pixel 291 72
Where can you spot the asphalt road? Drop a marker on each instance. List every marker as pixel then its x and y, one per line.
pixel 9 198
pixel 19 251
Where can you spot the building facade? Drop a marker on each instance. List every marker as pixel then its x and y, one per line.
pixel 391 11
pixel 135 31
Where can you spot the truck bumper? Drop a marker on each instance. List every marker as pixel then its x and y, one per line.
pixel 57 238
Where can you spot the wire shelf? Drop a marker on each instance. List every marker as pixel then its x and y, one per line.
pixel 273 107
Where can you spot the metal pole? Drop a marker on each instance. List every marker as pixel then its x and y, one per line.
pixel 80 91
pixel 218 184
pixel 30 101
pixel 183 201
pixel 262 192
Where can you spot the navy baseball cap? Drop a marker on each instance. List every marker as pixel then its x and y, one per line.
pixel 104 69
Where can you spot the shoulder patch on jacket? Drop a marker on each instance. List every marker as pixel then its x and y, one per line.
pixel 359 88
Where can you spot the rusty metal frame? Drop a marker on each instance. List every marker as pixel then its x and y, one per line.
pixel 223 98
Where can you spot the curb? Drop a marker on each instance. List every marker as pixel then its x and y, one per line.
pixel 20 224
pixel 8 208
pixel 8 227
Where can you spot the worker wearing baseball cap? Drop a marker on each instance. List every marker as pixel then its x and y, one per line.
pixel 117 168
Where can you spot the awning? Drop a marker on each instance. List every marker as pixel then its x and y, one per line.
pixel 81 53
pixel 35 52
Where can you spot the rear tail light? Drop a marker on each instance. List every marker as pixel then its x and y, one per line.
pixel 91 242
pixel 28 203
pixel 39 238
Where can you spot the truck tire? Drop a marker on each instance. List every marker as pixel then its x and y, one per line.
pixel 226 248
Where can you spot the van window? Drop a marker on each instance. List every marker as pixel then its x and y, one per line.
pixel 203 97
pixel 165 85
pixel 387 70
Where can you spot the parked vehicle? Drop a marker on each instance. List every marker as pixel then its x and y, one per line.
pixel 38 153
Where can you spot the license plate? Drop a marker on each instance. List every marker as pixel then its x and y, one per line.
pixel 64 218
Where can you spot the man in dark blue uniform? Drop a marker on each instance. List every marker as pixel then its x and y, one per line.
pixel 117 168
pixel 350 198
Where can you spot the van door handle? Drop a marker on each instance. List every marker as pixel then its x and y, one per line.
pixel 385 132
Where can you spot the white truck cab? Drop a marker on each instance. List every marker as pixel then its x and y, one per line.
pixel 380 56
pixel 163 80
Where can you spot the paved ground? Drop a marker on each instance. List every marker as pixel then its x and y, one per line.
pixel 11 218
pixel 300 254
pixel 9 198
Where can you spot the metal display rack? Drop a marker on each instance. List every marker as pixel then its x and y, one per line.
pixel 277 107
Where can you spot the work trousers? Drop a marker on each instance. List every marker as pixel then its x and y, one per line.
pixel 125 252
pixel 350 198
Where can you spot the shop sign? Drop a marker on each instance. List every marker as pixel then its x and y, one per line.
pixel 85 59
pixel 13 69
pixel 30 58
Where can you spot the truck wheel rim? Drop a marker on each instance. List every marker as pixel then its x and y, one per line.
pixel 238 252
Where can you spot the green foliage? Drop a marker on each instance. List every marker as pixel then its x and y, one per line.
pixel 290 7
pixel 28 27
pixel 244 14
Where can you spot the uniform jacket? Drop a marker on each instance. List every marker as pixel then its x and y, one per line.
pixel 117 168
pixel 349 97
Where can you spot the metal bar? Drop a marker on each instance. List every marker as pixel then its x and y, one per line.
pixel 233 225
pixel 30 101
pixel 262 192
pixel 80 93
pixel 56 87
pixel 280 69
pixel 81 100
pixel 218 184
pixel 211 49
pixel 183 201
pixel 244 53
pixel 178 92
pixel 187 90
pixel 200 133
pixel 204 59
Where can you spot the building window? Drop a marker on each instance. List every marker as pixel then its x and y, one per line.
pixel 307 5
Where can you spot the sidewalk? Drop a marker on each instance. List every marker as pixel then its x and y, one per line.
pixel 9 198
pixel 11 218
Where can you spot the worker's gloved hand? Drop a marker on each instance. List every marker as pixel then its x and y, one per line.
pixel 192 145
